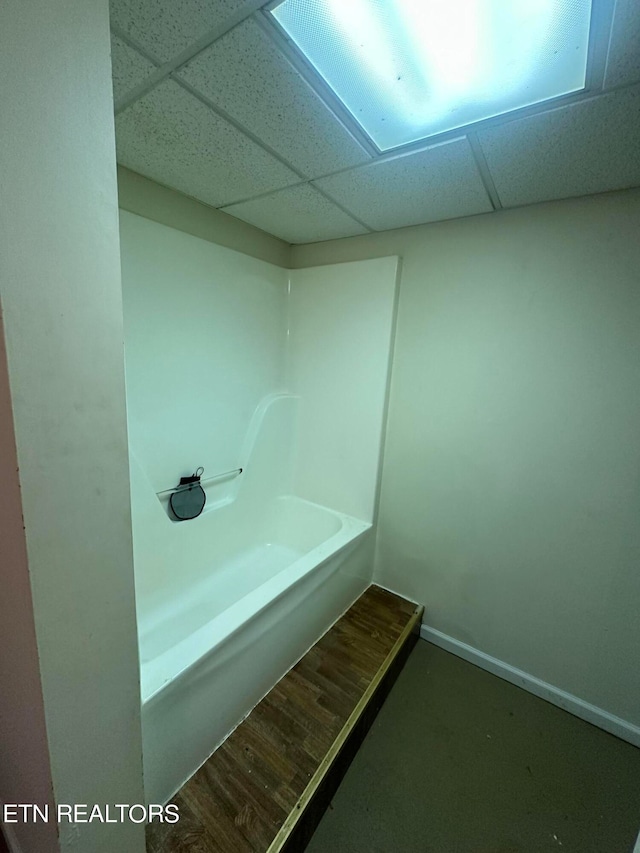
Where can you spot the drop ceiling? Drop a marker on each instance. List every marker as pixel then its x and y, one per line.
pixel 210 100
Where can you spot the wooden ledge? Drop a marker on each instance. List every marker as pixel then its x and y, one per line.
pixel 265 789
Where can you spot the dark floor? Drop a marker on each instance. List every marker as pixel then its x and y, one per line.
pixel 459 761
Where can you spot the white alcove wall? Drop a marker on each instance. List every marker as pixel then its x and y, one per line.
pixel 339 362
pixel 205 332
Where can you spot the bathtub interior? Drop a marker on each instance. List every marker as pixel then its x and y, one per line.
pixel 189 574
pixel 211 613
pixel 297 528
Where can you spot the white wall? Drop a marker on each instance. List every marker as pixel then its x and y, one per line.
pixel 205 334
pixel 25 775
pixel 510 499
pixel 341 322
pixel 61 298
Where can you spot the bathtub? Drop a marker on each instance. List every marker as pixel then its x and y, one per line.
pixel 210 648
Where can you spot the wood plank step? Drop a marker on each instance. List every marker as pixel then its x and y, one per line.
pixel 266 787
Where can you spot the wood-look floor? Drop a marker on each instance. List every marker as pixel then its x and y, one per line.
pixel 240 798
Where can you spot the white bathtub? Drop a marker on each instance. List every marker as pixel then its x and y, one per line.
pixel 212 648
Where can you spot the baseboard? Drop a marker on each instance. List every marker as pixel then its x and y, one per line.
pixel 578 707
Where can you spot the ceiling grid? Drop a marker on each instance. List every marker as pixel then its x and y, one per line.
pixel 483 169
pixel 213 101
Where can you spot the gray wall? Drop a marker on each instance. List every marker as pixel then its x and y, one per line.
pixel 511 484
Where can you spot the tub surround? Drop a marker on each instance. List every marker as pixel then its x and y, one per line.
pixel 212 336
pixel 235 363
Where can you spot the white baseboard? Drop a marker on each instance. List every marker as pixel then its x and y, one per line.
pixel 597 716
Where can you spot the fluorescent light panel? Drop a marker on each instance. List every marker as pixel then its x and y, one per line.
pixel 409 69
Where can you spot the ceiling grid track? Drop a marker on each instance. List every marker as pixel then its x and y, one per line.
pixel 168 68
pixel 342 207
pixel 489 154
pixel 264 194
pixel 223 114
pixel 483 169
pixel 331 101
pixel 603 11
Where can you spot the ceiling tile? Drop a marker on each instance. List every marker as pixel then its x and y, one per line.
pixel 588 147
pixel 128 67
pixel 298 215
pixel 439 183
pixel 623 61
pixel 172 137
pixel 167 27
pixel 246 75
